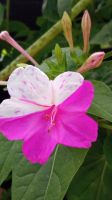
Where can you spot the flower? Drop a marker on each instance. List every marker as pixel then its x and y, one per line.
pixel 44 113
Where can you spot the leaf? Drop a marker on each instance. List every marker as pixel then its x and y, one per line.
pixel 94 179
pixel 1 13
pixel 50 181
pixel 49 9
pixel 103 73
pixel 19 28
pixel 104 36
pixel 102 103
pixel 64 6
pixel 108 150
pixel 8 153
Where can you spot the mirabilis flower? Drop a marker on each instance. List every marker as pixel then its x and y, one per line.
pixel 43 113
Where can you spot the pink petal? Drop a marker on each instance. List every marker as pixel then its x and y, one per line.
pixel 18 128
pixel 80 100
pixel 40 146
pixel 77 130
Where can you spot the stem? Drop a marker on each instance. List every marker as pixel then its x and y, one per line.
pixel 7 13
pixel 45 39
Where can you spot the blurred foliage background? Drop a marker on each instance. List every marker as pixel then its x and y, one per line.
pixel 46 13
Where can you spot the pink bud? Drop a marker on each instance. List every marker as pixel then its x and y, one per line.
pixel 4 35
pixel 92 62
pixel 86 29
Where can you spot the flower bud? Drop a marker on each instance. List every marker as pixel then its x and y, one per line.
pixel 67 28
pixel 58 53
pixel 94 61
pixel 4 35
pixel 86 29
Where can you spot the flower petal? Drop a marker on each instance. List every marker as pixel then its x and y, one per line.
pixel 14 107
pixel 65 84
pixel 30 83
pixel 40 146
pixel 80 100
pixel 18 128
pixel 77 130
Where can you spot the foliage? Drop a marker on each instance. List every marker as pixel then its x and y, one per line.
pixel 87 173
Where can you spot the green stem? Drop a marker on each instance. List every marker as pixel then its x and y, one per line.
pixel 43 41
pixel 7 13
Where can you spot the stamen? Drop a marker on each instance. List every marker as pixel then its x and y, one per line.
pixel 53 115
pixel 4 35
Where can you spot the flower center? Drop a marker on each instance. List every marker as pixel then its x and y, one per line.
pixel 51 117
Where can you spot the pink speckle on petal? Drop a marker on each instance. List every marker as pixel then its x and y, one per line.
pixel 70 74
pixel 24 82
pixel 17 111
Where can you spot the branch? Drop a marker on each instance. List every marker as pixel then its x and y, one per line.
pixel 43 41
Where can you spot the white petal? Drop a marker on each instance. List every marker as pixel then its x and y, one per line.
pixel 65 84
pixel 30 83
pixel 14 107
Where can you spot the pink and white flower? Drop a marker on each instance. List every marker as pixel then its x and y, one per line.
pixel 43 113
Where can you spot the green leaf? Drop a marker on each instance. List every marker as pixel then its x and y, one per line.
pixel 49 9
pixel 50 181
pixel 1 13
pixel 94 179
pixel 64 5
pixel 103 73
pixel 108 150
pixel 102 103
pixel 8 153
pixel 19 28
pixel 104 36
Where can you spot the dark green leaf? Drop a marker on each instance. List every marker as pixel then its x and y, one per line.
pixel 19 28
pixel 1 13
pixel 93 180
pixel 103 73
pixel 64 5
pixel 50 181
pixel 108 149
pixel 50 10
pixel 104 36
pixel 9 154
pixel 102 104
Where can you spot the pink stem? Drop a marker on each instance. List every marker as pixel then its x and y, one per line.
pixel 4 35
